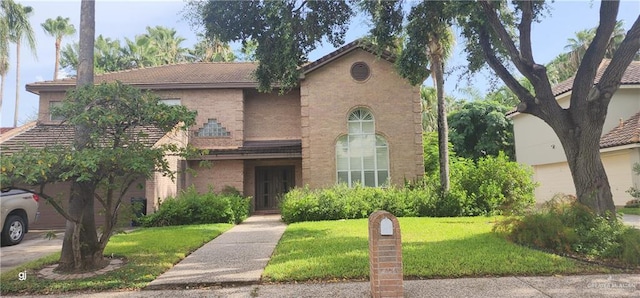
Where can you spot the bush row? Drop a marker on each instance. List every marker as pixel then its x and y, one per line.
pixel 565 226
pixel 191 207
pixel 493 185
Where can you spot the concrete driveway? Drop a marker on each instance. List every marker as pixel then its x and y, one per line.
pixel 33 247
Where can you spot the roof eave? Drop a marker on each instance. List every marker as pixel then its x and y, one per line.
pixel 36 89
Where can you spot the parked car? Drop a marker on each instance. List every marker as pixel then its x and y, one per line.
pixel 19 210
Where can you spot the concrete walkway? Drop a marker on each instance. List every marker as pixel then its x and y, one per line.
pixel 236 257
pixel 632 220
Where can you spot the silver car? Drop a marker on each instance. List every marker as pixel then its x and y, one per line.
pixel 19 210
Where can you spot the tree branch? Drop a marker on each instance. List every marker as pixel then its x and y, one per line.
pixel 525 32
pixel 583 81
pixel 506 39
pixel 529 105
pixel 610 80
pixel 49 199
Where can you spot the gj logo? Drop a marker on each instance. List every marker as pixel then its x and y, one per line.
pixel 22 276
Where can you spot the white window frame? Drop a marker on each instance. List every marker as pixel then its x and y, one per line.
pixel 349 152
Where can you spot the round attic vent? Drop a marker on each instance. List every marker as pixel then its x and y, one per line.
pixel 360 71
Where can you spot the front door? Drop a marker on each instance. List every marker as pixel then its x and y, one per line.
pixel 271 184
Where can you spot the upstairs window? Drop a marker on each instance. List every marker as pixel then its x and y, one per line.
pixel 362 156
pixel 55 104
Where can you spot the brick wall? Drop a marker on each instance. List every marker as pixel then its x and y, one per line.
pixel 224 105
pixel 329 94
pixel 272 116
pixel 218 173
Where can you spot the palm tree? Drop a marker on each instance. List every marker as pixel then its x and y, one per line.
pixel 440 41
pixel 578 45
pixel 19 27
pixel 4 52
pixel 58 28
pixel 211 50
pixel 168 43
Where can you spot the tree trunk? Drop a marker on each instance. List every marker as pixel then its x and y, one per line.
pixel 81 250
pixel 15 111
pixel 580 140
pixel 57 61
pixel 443 127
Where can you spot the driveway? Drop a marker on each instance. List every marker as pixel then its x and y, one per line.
pixel 34 246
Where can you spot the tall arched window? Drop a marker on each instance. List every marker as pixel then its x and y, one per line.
pixel 362 156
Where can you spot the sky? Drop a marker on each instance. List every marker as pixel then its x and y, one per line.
pixel 120 19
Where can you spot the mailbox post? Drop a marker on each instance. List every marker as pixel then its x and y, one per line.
pixel 385 255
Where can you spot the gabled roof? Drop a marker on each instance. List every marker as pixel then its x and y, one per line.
pixel 200 75
pixel 631 76
pixel 346 49
pixel 627 133
pixel 42 135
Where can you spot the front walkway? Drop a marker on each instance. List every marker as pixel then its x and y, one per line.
pixel 238 256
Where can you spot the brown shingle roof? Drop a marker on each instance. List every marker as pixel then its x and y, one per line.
pixel 4 130
pixel 201 74
pixel 174 76
pixel 42 135
pixel 626 133
pixel 631 76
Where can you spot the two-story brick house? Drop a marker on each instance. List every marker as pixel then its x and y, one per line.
pixel 351 119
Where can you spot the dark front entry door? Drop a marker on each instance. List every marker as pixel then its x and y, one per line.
pixel 271 184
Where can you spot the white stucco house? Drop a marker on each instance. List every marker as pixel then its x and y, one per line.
pixel 538 146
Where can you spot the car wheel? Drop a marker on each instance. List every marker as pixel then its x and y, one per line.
pixel 13 231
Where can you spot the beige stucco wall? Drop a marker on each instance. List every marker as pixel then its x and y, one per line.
pixel 556 178
pixel 328 94
pixel 537 144
pixel 272 116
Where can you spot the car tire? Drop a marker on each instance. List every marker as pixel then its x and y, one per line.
pixel 13 231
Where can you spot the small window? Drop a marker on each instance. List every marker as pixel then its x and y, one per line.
pixel 171 101
pixel 55 104
pixel 213 128
pixel 360 71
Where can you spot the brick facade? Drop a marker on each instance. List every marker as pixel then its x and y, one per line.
pixel 329 94
pixel 306 122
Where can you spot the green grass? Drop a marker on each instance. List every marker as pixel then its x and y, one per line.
pixel 627 210
pixel 431 247
pixel 149 252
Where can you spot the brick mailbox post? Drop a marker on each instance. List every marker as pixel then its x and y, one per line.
pixel 385 255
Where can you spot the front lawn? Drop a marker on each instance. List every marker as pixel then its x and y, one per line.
pixel 627 210
pixel 431 248
pixel 149 252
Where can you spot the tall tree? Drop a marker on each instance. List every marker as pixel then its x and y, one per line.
pixel 20 30
pixel 480 128
pixel 4 51
pixel 486 25
pixel 211 50
pixel 285 33
pixel 58 28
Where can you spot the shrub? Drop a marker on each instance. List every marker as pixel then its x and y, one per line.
pixel 494 185
pixel 564 225
pixel 191 207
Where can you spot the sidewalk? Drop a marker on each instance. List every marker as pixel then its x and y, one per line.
pixel 236 257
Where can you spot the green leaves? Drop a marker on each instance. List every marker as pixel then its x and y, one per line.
pixel 286 32
pixel 123 123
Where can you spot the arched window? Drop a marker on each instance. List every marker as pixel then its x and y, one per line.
pixel 362 156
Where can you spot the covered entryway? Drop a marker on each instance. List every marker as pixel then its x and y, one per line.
pixel 271 183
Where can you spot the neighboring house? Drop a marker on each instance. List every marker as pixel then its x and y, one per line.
pixel 351 119
pixel 537 145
